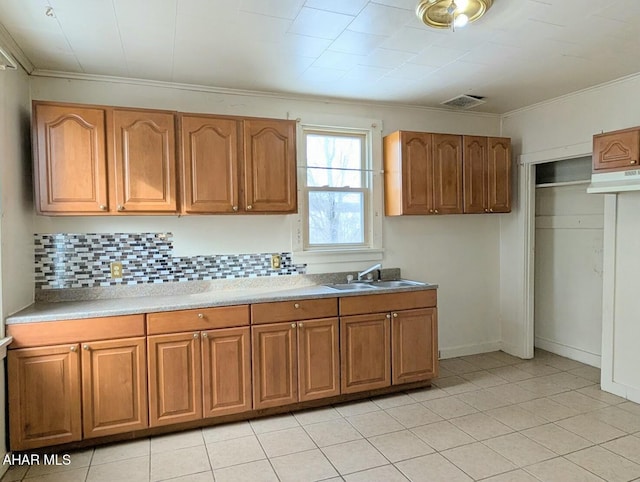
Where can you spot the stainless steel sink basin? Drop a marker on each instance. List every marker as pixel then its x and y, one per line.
pixel 351 286
pixel 401 283
pixel 367 286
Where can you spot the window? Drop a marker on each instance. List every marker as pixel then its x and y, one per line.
pixel 336 186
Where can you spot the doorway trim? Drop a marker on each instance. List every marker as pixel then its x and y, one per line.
pixel 528 163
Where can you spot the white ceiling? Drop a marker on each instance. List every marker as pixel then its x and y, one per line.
pixel 522 52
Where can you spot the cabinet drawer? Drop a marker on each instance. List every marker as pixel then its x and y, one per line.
pixel 73 331
pixel 293 310
pixel 196 320
pixel 355 305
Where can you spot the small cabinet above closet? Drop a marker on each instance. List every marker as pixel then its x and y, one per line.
pixel 617 150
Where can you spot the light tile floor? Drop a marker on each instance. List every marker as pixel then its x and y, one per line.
pixel 488 417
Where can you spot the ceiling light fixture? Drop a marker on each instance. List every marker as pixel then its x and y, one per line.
pixel 451 13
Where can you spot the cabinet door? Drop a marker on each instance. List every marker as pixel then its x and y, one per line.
pixel 144 161
pixel 318 359
pixel 417 172
pixel 209 148
pixel 275 371
pixel 499 175
pixel 365 351
pixel 71 160
pixel 270 166
pixel 414 339
pixel 616 151
pixel 44 396
pixel 114 391
pixel 475 164
pixel 175 386
pixel 447 174
pixel 226 371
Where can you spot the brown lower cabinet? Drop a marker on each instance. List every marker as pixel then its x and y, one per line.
pixel 295 361
pixel 47 405
pixel 198 374
pixel 203 372
pixel 379 349
pixel 128 375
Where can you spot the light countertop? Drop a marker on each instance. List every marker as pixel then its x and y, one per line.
pixel 216 295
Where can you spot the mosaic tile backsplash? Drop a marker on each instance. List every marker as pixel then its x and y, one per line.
pixel 68 260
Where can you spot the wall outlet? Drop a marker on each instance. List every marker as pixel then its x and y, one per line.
pixel 276 261
pixel 116 269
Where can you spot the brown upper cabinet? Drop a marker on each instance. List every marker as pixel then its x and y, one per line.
pixel 487 174
pixel 446 174
pixel 111 160
pixel 238 165
pixel 423 173
pixel 99 160
pixel 616 151
pixel 408 169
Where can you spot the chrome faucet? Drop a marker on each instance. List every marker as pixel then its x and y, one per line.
pixel 369 270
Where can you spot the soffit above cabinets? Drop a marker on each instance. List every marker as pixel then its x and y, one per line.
pixel 520 53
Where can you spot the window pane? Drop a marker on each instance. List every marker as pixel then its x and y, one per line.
pixel 336 217
pixel 342 153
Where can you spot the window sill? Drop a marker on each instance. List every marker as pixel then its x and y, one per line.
pixel 335 256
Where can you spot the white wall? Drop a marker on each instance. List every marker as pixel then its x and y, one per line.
pixel 563 128
pixel 16 209
pixel 568 272
pixel 458 252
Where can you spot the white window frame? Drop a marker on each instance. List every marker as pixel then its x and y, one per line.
pixel 328 255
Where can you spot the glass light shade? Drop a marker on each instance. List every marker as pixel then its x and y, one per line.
pixel 435 13
pixel 461 20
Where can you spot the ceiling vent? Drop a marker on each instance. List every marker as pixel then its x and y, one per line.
pixel 464 101
pixel 6 62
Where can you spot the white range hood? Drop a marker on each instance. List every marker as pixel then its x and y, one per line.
pixel 619 181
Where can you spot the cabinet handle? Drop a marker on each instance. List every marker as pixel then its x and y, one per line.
pixel 388 316
pixel 200 315
pixel 249 207
pixel 293 325
pixel 120 207
pixel 300 325
pixel 430 210
pixel 436 211
pixel 296 305
pixel 73 348
pixel 486 210
pixel 102 207
pixel 491 210
pixel 633 162
pixel 204 335
pixel 395 315
pixel 85 347
pixel 235 208
pixel 195 335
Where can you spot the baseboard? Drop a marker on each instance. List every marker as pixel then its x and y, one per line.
pixel 513 350
pixel 456 351
pixel 568 351
pixel 630 393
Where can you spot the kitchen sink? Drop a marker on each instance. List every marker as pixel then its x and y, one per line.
pixel 400 283
pixel 374 285
pixel 351 286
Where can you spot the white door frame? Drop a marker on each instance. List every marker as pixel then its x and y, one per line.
pixel 528 184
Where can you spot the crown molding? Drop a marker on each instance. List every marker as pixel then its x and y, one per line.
pixel 14 50
pixel 561 98
pixel 246 93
